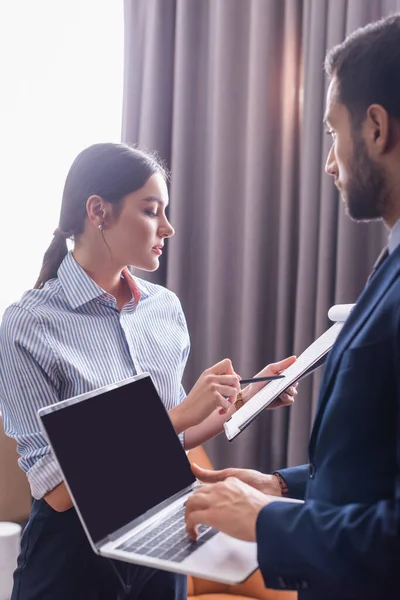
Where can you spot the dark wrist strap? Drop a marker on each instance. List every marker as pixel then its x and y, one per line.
pixel 282 483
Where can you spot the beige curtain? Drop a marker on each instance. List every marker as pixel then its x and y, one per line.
pixel 231 94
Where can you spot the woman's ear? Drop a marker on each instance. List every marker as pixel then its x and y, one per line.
pixel 96 211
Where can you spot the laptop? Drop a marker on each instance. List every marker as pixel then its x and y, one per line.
pixel 129 477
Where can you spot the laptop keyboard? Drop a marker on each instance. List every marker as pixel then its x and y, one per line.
pixel 169 540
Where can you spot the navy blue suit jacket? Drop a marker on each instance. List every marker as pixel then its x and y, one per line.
pixel 344 542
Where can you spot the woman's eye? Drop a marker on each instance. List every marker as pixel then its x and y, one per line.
pixel 151 213
pixel 331 133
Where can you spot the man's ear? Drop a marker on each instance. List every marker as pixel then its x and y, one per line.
pixel 377 130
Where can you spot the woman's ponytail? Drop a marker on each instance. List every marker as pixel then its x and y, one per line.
pixel 53 257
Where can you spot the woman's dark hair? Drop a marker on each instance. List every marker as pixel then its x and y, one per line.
pixel 108 170
pixel 367 67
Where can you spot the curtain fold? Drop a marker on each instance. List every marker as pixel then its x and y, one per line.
pixel 231 94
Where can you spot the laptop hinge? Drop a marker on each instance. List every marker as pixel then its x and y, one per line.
pixel 147 515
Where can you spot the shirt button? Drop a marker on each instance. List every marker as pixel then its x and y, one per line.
pixel 282 583
pixel 311 470
pixel 295 585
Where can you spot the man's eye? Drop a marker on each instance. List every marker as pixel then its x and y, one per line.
pixel 331 133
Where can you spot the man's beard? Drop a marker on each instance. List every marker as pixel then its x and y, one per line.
pixel 366 196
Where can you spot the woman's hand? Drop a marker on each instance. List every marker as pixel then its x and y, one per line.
pixel 216 388
pixel 59 498
pixel 287 397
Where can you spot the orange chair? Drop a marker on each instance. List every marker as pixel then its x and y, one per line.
pixel 252 589
pixel 15 500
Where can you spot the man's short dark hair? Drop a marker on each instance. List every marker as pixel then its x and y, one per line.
pixel 367 67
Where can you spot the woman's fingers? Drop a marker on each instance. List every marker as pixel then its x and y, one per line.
pixel 292 390
pixel 286 399
pixel 227 390
pixel 224 366
pixel 281 365
pixel 223 400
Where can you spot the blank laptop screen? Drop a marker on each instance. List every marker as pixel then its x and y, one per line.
pixel 119 453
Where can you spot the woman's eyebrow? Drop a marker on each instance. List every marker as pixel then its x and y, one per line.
pixel 154 199
pixel 325 120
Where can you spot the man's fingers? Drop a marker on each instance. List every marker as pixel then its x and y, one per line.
pixel 195 511
pixel 198 500
pixel 193 520
pixel 207 475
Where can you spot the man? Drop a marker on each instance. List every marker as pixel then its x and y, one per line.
pixel 343 542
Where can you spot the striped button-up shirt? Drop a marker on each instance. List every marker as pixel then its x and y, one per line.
pixel 70 338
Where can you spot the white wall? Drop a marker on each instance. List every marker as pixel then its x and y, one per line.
pixel 61 69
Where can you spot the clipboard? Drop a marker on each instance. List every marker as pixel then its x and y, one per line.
pixel 312 358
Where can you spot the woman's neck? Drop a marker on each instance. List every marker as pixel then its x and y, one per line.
pixel 106 274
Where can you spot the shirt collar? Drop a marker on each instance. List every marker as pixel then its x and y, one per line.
pixel 79 288
pixel 141 285
pixel 136 283
pixel 394 237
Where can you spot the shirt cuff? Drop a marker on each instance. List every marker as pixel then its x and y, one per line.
pixel 44 476
pixel 296 480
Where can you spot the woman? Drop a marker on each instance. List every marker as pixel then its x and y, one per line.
pixel 88 323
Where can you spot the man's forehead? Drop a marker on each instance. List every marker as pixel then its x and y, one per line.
pixel 331 99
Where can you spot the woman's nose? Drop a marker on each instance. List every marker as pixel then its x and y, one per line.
pixel 167 230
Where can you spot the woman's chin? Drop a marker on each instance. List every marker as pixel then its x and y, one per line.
pixel 149 266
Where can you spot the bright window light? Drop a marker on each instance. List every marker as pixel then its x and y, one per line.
pixel 61 65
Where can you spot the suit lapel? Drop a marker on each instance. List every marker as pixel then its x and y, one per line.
pixel 368 300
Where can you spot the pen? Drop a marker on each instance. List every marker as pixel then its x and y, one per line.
pixel 257 379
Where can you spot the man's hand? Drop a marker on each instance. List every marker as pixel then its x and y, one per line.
pixel 287 398
pixel 230 506
pixel 267 484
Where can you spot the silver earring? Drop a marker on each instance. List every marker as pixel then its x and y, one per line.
pixel 100 227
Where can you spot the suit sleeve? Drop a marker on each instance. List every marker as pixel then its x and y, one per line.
pixel 352 550
pixel 296 480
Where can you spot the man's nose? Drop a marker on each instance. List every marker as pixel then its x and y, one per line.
pixel 330 165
